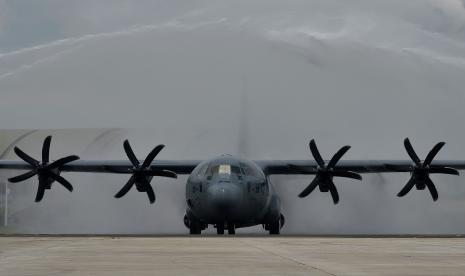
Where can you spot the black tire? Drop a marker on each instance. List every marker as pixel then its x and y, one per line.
pixel 274 227
pixel 195 228
pixel 231 229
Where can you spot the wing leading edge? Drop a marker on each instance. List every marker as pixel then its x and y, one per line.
pixel 309 167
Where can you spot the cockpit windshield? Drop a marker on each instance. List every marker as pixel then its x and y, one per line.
pixel 224 169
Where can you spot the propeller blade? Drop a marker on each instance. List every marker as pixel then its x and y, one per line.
pixel 347 174
pixel 433 152
pixel 151 156
pixel 23 177
pixel 26 157
pixel 120 170
pixel 333 191
pixel 126 187
pixel 411 152
pixel 41 188
pixel 309 188
pixel 406 188
pixel 432 188
pixel 40 193
pixel 148 189
pixel 163 173
pixel 337 157
pixel 444 170
pixel 316 153
pixel 60 162
pixel 151 194
pixel 58 178
pixel 130 153
pixel 46 149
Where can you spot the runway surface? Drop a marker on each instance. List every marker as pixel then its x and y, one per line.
pixel 231 256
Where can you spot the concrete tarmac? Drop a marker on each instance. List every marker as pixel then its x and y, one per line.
pixel 231 256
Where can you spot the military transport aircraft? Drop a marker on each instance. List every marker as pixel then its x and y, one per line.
pixel 230 192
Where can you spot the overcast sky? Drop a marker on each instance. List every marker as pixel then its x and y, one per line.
pixel 25 23
pixel 364 72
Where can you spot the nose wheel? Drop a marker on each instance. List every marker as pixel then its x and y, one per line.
pixel 220 229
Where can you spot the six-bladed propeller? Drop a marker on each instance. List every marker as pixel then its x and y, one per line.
pixel 325 173
pixel 420 171
pixel 47 172
pixel 142 174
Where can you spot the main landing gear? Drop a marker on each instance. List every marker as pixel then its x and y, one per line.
pixel 274 226
pixel 195 228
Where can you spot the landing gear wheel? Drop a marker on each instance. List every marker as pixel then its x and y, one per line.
pixel 274 227
pixel 195 228
pixel 231 229
pixel 220 229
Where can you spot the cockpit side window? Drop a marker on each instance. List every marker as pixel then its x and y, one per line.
pixel 203 170
pixel 249 170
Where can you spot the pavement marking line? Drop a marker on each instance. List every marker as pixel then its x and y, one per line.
pixel 309 267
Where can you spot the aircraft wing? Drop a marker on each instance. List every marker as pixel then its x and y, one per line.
pixel 309 167
pixel 326 170
pixel 140 176
pixel 108 166
pixel 141 171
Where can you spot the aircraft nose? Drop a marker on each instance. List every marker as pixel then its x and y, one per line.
pixel 224 195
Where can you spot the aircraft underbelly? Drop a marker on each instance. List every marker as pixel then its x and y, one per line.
pixel 250 209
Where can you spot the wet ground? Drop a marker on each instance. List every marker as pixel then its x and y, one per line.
pixel 231 256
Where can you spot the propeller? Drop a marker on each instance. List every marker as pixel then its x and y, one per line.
pixel 420 171
pixel 47 172
pixel 142 174
pixel 325 173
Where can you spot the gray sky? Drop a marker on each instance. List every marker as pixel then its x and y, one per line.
pixel 366 73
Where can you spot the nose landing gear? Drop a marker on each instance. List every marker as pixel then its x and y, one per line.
pixel 231 229
pixel 220 227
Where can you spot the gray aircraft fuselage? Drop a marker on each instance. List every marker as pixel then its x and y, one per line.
pixel 230 192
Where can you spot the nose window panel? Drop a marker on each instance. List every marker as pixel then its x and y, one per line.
pixel 224 169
